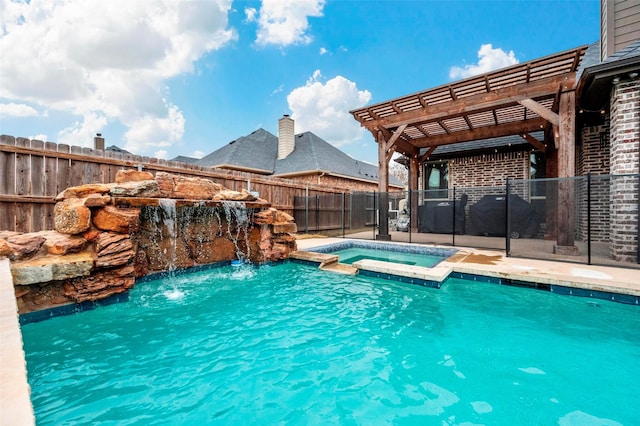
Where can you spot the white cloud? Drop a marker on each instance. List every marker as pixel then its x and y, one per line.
pixel 323 51
pixel 17 110
pixel 324 108
pixel 39 137
pixel 489 59
pixel 107 61
pixel 197 154
pixel 285 22
pixel 82 133
pixel 149 132
pixel 250 14
pixel 278 90
pixel 161 154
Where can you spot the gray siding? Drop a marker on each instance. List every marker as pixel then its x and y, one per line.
pixel 620 25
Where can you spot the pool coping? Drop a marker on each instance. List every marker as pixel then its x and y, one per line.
pixel 15 401
pixel 608 283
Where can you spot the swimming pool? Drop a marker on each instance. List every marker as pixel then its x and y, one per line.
pixel 288 343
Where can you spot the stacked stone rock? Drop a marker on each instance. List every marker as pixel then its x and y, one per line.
pixel 98 248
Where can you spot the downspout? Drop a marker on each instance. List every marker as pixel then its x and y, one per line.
pixel 320 176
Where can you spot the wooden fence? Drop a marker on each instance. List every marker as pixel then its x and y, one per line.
pixel 33 172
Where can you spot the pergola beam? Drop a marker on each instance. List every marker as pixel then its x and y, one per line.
pixel 533 141
pixel 477 103
pixel 516 127
pixel 541 110
pixel 394 137
pixel 424 157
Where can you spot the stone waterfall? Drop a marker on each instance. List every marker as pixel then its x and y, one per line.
pixel 108 234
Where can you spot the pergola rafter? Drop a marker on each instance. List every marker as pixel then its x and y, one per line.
pixel 532 96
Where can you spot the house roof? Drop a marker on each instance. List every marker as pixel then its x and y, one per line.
pixel 255 152
pixel 184 159
pixel 116 148
pixel 258 152
pixel 312 153
pixel 596 77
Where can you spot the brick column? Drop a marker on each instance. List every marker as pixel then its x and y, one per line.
pixel 625 159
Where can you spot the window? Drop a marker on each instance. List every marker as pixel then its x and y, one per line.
pixel 537 170
pixel 436 179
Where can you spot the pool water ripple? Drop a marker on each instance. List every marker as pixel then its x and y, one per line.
pixel 292 344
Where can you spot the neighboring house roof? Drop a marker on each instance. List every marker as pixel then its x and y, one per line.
pixel 116 148
pixel 258 152
pixel 255 152
pixel 596 77
pixel 184 159
pixel 312 153
pixel 483 145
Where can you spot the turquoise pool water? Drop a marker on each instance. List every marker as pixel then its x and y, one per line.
pixel 350 255
pixel 289 344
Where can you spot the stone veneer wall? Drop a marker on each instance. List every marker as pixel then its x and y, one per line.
pixel 108 234
pixel 625 159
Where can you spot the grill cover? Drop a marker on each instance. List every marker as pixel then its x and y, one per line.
pixel 488 217
pixel 437 217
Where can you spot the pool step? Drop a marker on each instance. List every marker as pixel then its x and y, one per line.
pixel 328 262
pixel 339 268
pixel 309 256
pixel 436 274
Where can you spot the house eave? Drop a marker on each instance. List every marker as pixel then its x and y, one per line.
pixel 594 86
pixel 329 173
pixel 242 169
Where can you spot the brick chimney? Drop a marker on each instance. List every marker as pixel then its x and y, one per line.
pixel 286 140
pixel 98 142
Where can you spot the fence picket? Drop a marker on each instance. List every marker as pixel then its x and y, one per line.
pixel 55 167
pixel 38 181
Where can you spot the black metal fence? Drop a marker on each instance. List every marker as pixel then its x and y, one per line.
pixel 585 219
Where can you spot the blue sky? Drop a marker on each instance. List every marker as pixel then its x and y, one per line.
pixel 166 78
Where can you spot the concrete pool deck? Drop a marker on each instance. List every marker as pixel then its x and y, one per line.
pixel 495 264
pixel 15 404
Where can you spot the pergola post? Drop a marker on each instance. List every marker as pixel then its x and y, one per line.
pixel 414 168
pixel 565 243
pixel 383 188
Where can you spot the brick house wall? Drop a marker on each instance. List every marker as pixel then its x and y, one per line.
pixel 487 174
pixel 593 153
pixel 625 159
pixel 480 175
pixel 348 185
pixel 489 169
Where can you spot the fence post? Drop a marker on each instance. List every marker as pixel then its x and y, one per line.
pixel 507 220
pixel 638 225
pixel 375 214
pixel 589 218
pixel 453 236
pixel 410 207
pixel 317 212
pixel 306 211
pixel 343 214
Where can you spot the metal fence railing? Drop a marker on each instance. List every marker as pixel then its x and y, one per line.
pixel 585 219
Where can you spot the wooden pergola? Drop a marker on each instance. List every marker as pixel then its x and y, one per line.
pixel 518 100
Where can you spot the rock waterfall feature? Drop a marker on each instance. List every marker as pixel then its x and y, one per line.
pixel 107 235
